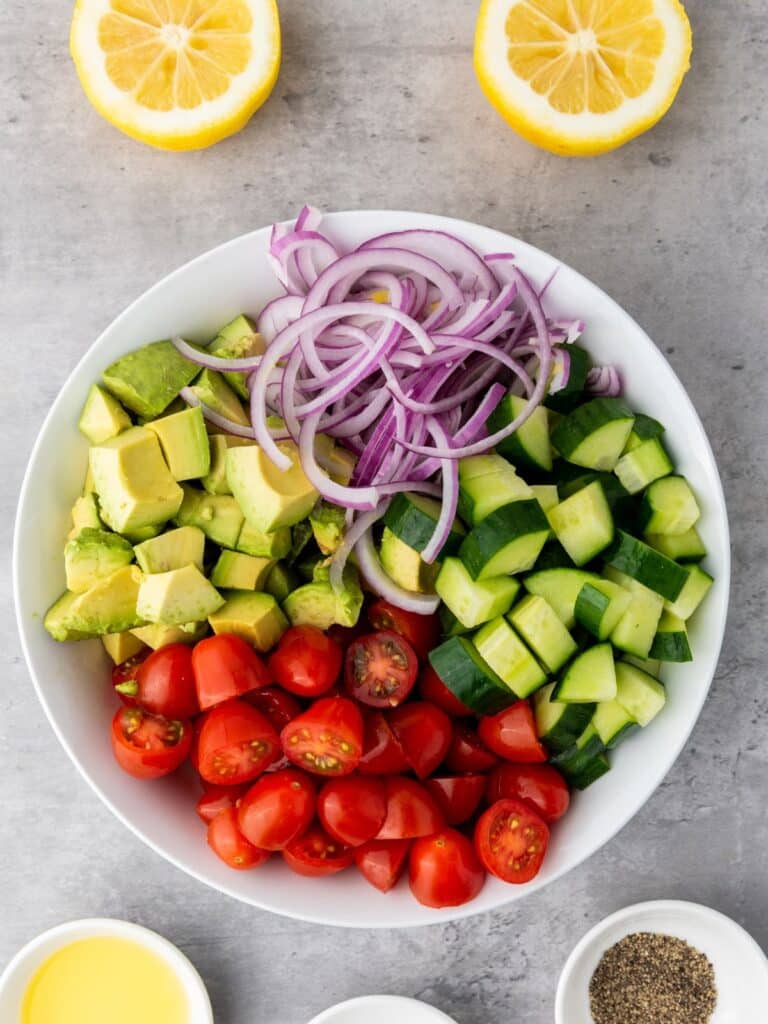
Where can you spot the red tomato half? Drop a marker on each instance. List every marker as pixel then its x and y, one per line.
pixel 279 707
pixel 235 743
pixel 511 841
pixel 433 689
pixel 457 796
pixel 512 734
pixel 164 683
pixel 352 810
pixel 226 841
pixel 306 662
pixel 381 861
pixel 277 809
pixel 411 810
pixel 425 734
pixel 315 854
pixel 327 738
pixel 225 666
pixel 218 798
pixel 444 870
pixel 124 678
pixel 382 751
pixel 540 786
pixel 467 753
pixel 380 669
pixel 149 746
pixel 421 631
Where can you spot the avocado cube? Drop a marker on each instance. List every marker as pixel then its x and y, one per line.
pixel 142 533
pixel 157 635
pixel 255 617
pixel 102 416
pixel 236 571
pixel 179 596
pixel 214 392
pixel 338 462
pixel 92 555
pixel 215 481
pixel 172 550
pixel 85 515
pixel 146 381
pixel 217 515
pixel 317 604
pixel 237 340
pixel 405 565
pixel 133 483
pixel 328 524
pixel 109 606
pixel 184 441
pixel 275 544
pixel 59 621
pixel 281 581
pixel 122 646
pixel 270 497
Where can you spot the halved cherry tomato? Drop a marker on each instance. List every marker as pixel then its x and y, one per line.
pixel 540 786
pixel 444 870
pixel 277 809
pixel 512 734
pixel 381 861
pixel 225 666
pixel 421 631
pixel 227 842
pixel 467 752
pixel 279 707
pixel 411 810
pixel 433 689
pixel 218 798
pixel 124 678
pixel 163 683
pixel 457 796
pixel 315 854
pixel 380 669
pixel 149 746
pixel 235 743
pixel 382 751
pixel 352 810
pixel 425 733
pixel 511 841
pixel 327 738
pixel 307 662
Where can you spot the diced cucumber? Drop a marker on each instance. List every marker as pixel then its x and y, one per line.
pixel 538 624
pixel 449 624
pixel 529 445
pixel 621 503
pixel 612 723
pixel 645 428
pixel 487 482
pixel 554 556
pixel 413 517
pixel 636 629
pixel 585 762
pixel 579 365
pixel 594 434
pixel 693 593
pixel 646 565
pixel 583 523
pixel 474 602
pixel 644 464
pixel 669 506
pixel 561 588
pixel 671 640
pixel 682 547
pixel 499 646
pixel 459 665
pixel 559 724
pixel 546 495
pixel 509 540
pixel 405 566
pixel 589 677
pixel 649 665
pixel 600 608
pixel 641 694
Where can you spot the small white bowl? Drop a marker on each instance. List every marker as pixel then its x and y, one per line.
pixel 741 967
pixel 16 977
pixel 382 1010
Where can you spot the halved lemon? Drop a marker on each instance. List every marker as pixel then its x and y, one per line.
pixel 177 74
pixel 580 77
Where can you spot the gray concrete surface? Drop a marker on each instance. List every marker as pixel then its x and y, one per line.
pixel 377 106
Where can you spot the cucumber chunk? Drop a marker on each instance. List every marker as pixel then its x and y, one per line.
pixel 554 556
pixel 682 547
pixel 579 365
pixel 638 692
pixel 644 464
pixel 561 588
pixel 546 495
pixel 693 593
pixel 529 445
pixel 538 624
pixel 669 506
pixel 449 624
pixel 413 517
pixel 671 640
pixel 583 523
pixel 590 677
pixel 585 762
pixel 462 669
pixel 646 565
pixel 649 665
pixel 474 602
pixel 600 609
pixel 502 649
pixel 509 540
pixel 487 482
pixel 594 434
pixel 644 429
pixel 612 723
pixel 559 724
pixel 636 629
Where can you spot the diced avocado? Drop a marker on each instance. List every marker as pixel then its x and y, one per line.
pixel 302 543
pixel 172 550
pixel 281 581
pixel 177 405
pixel 59 621
pixel 142 533
pixel 317 604
pixel 122 646
pixel 327 522
pixel 214 392
pixel 215 482
pixel 349 596
pixel 85 515
pixel 236 571
pixel 237 340
pixel 102 416
pixel 270 497
pixel 132 481
pixel 255 617
pixel 217 515
pixel 109 606
pixel 181 595
pixel 405 565
pixel 92 555
pixel 157 635
pixel 337 461
pixel 275 544
pixel 184 441
pixel 146 381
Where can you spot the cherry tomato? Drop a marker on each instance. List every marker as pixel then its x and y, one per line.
pixel 306 662
pixel 163 683
pixel 382 751
pixel 149 746
pixel 457 796
pixel 279 707
pixel 411 810
pixel 218 798
pixel 467 753
pixel 225 666
pixel 381 861
pixel 124 678
pixel 227 842
pixel 327 738
pixel 235 743
pixel 352 810
pixel 421 631
pixel 511 841
pixel 433 689
pixel 277 809
pixel 540 786
pixel 315 854
pixel 444 870
pixel 512 734
pixel 425 734
pixel 380 669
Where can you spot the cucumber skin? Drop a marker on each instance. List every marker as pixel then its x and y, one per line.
pixel 645 564
pixel 415 527
pixel 553 556
pixel 562 737
pixel 453 660
pixel 591 605
pixel 585 420
pixel 671 647
pixel 485 540
pixel 583 766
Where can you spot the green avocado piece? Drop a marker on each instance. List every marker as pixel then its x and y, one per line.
pixel 236 571
pixel 214 392
pixel 237 340
pixel 184 441
pixel 215 482
pixel 349 597
pixel 92 555
pixel 339 462
pixel 59 621
pixel 317 604
pixel 328 525
pixel 85 515
pixel 256 617
pixel 281 581
pixel 177 405
pixel 405 565
pixel 109 606
pixel 178 596
pixel 102 416
pixel 270 497
pixel 146 381
pixel 217 515
pixel 143 533
pixel 122 646
pixel 157 635
pixel 275 544
pixel 172 550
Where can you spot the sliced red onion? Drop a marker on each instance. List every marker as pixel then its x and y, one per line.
pixel 446 249
pixel 372 572
pixel 447 515
pixel 604 381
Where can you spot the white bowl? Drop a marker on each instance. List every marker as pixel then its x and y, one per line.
pixel 71 679
pixel 741 968
pixel 382 1010
pixel 16 977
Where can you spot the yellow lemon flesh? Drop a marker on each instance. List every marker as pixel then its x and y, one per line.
pixel 580 77
pixel 177 74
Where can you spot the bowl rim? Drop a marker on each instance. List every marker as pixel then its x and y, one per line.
pixel 716 499
pixel 428 1013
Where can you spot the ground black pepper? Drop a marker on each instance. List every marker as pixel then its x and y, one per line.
pixel 652 979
